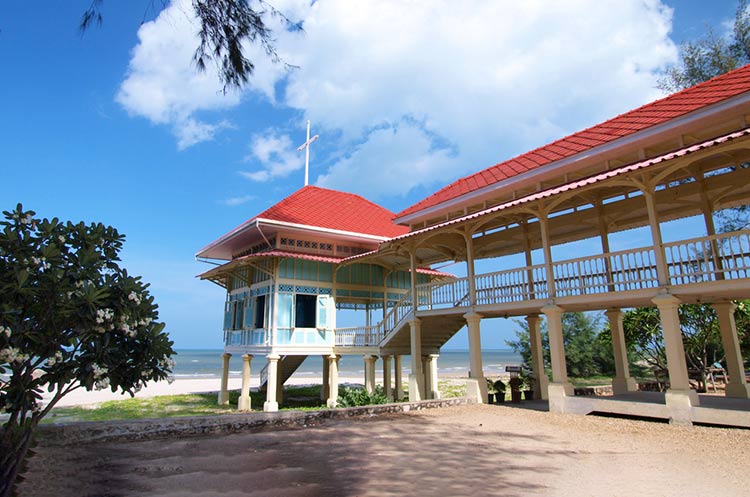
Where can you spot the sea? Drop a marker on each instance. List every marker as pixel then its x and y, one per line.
pixel 193 363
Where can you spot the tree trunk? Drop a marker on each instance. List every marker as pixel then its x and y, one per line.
pixel 16 440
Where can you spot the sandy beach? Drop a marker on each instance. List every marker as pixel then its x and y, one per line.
pixel 177 387
pixel 474 450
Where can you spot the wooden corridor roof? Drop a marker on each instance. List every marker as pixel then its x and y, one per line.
pixel 660 111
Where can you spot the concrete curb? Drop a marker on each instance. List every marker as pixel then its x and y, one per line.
pixel 147 429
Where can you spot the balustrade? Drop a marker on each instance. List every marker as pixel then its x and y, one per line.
pixel 712 258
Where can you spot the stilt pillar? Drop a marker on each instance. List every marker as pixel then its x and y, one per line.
pixel 473 323
pixel 416 378
pixel 622 382
pixel 370 373
pixel 223 399
pixel 680 398
pixel 272 380
pixel 432 372
pixel 333 380
pixel 397 379
pixel 737 385
pixel 537 357
pixel 560 386
pixel 279 385
pixel 387 387
pixel 244 402
pixel 325 385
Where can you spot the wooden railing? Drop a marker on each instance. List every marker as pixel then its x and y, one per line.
pixel 359 336
pixel 614 272
pixel 710 258
pixel 513 285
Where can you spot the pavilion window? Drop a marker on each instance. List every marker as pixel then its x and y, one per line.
pixel 305 307
pixel 238 314
pixel 260 312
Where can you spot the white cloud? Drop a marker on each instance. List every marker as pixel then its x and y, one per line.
pixel 429 90
pixel 276 155
pixel 488 79
pixel 164 86
pixel 394 160
pixel 233 201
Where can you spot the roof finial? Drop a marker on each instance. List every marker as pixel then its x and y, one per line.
pixel 306 147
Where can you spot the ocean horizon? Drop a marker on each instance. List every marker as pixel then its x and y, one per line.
pixel 206 363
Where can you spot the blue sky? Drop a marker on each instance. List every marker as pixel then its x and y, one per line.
pixel 116 126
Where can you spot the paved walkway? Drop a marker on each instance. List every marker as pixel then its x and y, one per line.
pixel 459 451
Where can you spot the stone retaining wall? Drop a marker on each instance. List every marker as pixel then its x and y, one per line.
pixel 144 429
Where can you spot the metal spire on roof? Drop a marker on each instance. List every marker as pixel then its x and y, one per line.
pixel 306 147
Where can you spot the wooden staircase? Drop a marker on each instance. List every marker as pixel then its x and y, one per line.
pixel 288 364
pixel 436 330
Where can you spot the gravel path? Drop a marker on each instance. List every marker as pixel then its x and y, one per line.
pixel 459 451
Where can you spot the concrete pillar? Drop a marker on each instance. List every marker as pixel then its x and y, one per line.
pixel 560 386
pixel 223 399
pixel 537 357
pixel 427 377
pixel 399 382
pixel 473 323
pixel 737 385
pixel 244 402
pixel 324 387
pixel 387 387
pixel 279 384
pixel 370 373
pixel 333 383
pixel 416 378
pixel 432 372
pixel 679 396
pixel 622 382
pixel 271 404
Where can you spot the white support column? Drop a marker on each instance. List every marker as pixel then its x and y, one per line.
pixel 370 373
pixel 387 387
pixel 622 382
pixel 737 385
pixel 427 377
pixel 470 269
pixel 333 377
pixel 661 265
pixel 397 379
pixel 243 404
pixel 279 384
pixel 547 249
pixel 433 374
pixel 560 386
pixel 537 357
pixel 324 387
pixel 224 391
pixel 416 378
pixel 473 323
pixel 271 404
pixel 679 396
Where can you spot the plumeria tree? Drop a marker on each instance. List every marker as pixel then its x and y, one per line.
pixel 70 317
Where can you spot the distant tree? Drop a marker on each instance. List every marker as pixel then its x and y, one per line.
pixel 711 55
pixel 70 317
pixel 225 27
pixel 700 335
pixel 587 353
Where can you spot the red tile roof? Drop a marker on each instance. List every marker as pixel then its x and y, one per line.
pixel 331 209
pixel 657 112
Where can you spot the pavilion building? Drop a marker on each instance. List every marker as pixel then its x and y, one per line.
pixel 682 156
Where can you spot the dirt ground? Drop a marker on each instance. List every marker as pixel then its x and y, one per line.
pixel 459 451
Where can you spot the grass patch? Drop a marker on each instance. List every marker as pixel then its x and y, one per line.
pixel 166 406
pixel 305 398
